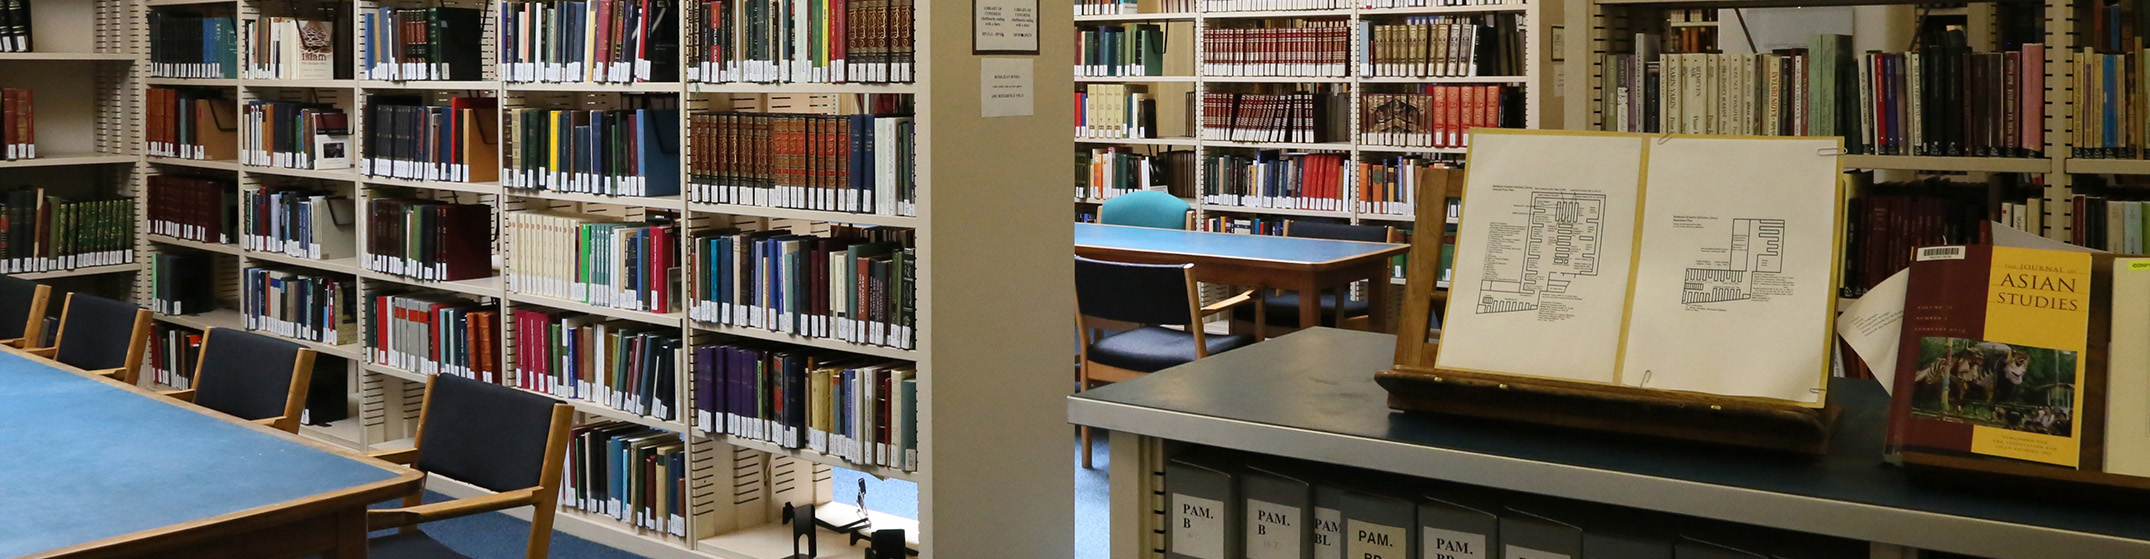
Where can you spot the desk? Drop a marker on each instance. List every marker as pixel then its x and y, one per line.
pixel 1311 395
pixel 1298 264
pixel 90 467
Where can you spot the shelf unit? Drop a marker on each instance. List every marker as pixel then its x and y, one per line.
pixel 985 399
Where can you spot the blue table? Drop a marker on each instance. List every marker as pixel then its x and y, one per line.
pixel 1303 265
pixel 92 467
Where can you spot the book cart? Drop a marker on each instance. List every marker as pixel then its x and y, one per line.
pixel 980 415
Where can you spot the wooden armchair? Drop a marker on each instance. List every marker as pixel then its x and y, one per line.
pixel 99 335
pixel 22 311
pixel 251 376
pixel 1139 301
pixel 498 438
pixel 1337 308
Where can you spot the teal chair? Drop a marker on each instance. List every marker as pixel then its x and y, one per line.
pixel 1147 208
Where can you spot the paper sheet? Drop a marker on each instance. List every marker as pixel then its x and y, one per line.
pixel 1543 256
pixel 1005 86
pixel 1734 282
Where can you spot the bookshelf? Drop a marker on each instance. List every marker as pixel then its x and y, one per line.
pixel 984 396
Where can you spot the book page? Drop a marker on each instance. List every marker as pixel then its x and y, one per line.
pixel 1735 279
pixel 1543 254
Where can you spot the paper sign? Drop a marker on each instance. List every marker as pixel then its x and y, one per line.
pixel 1004 27
pixel 1004 87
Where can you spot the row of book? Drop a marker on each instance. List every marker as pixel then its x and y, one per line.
pixel 861 409
pixel 1952 102
pixel 1691 39
pixel 1272 5
pixel 1272 179
pixel 589 41
pixel 433 334
pixel 1134 49
pixel 412 44
pixel 289 48
pixel 1389 185
pixel 407 138
pixel 41 231
pixel 428 240
pixel 2102 223
pixel 15 26
pixel 190 123
pixel 18 122
pixel 1379 4
pixel 1281 117
pixel 1295 48
pixel 182 282
pixel 294 135
pixel 804 41
pixel 1242 225
pixel 307 224
pixel 625 366
pixel 173 351
pixel 634 474
pixel 1442 46
pixel 1115 110
pixel 627 152
pixel 2112 97
pixel 852 163
pixel 300 305
pixel 1222 504
pixel 854 284
pixel 1439 116
pixel 595 260
pixel 187 45
pixel 1886 221
pixel 199 209
pixel 1106 173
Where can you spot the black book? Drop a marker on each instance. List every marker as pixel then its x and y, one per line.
pixel 455 33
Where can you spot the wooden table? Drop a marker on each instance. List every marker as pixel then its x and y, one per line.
pixel 90 467
pixel 1299 264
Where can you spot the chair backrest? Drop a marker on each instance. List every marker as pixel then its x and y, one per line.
pixel 484 434
pixel 1161 294
pixel 97 333
pixel 252 376
pixel 1146 208
pixel 1336 231
pixel 22 308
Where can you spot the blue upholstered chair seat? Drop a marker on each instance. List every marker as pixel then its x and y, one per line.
pixel 413 545
pixel 1284 309
pixel 1150 349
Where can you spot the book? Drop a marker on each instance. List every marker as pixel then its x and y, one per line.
pixel 301 305
pixel 293 135
pixel 308 224
pixel 1379 526
pixel 1282 117
pixel 1275 179
pixel 18 118
pixel 173 352
pixel 15 26
pixel 199 209
pixel 1247 5
pixel 848 153
pixel 434 334
pixel 1110 110
pixel 187 44
pixel 45 232
pixel 191 123
pixel 1134 49
pixel 592 41
pixel 408 139
pixel 421 44
pixel 627 366
pixel 634 474
pixel 1203 499
pixel 856 41
pixel 290 48
pixel 1993 353
pixel 1457 523
pixel 1387 185
pixel 2127 417
pixel 622 152
pixel 851 283
pixel 1440 116
pixel 428 240
pixel 594 259
pixel 182 283
pixel 1278 514
pixel 847 406
pixel 1441 46
pixel 1885 221
pixel 1288 48
pixel 1108 172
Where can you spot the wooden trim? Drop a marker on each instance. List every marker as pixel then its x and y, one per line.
pixel 60 336
pixel 1195 314
pixel 302 375
pixel 137 344
pixel 404 456
pixel 377 519
pixel 35 329
pixel 546 504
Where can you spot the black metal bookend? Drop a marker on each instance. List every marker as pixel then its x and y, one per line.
pixel 801 518
pixel 888 544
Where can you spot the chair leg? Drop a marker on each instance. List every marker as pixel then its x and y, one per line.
pixel 1086 447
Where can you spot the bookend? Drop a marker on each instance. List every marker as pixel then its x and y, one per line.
pixel 1416 385
pixel 802 521
pixel 887 544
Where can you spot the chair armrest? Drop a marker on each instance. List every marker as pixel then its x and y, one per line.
pixel 1242 297
pixel 404 456
pixel 45 352
pixel 16 343
pixel 180 395
pixel 113 373
pixel 378 519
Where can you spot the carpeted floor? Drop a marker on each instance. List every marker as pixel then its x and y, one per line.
pixel 499 536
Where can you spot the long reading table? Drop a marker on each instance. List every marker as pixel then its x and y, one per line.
pixel 1299 264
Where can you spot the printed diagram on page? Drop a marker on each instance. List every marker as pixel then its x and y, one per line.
pixel 1533 256
pixel 1748 265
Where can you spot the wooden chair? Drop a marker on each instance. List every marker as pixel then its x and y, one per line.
pixel 22 311
pixel 251 376
pixel 504 440
pixel 101 336
pixel 1139 301
pixel 1337 309
pixel 1147 208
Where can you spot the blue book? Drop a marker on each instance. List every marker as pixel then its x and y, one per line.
pixel 658 150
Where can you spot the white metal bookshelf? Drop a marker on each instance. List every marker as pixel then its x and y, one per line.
pixel 993 449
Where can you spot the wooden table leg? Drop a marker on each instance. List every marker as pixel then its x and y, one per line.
pixel 1377 303
pixel 1309 303
pixel 350 535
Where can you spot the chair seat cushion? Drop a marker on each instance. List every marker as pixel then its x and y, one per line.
pixel 1150 349
pixel 414 545
pixel 1283 309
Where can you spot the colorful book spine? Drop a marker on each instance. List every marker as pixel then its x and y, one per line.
pixel 190 45
pixel 294 135
pixel 1441 46
pixel 197 209
pixel 1437 116
pixel 419 44
pixel 299 305
pixel 299 223
pixel 857 408
pixel 173 351
pixel 1299 48
pixel 1386 186
pixel 1135 49
pixel 1283 117
pixel 628 152
pixel 1112 110
pixel 451 143
pixel 429 240
pixel 1270 179
pixel 852 284
pixel 625 366
pixel 41 232
pixel 591 41
pixel 859 163
pixel 191 123
pixel 803 41
pixel 289 48
pixel 595 261
pixel 434 335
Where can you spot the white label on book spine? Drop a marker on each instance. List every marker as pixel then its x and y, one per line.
pixel 1197 527
pixel 1367 540
pixel 1436 543
pixel 1273 530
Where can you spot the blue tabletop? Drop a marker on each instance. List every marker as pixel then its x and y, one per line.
pixel 82 461
pixel 1224 245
